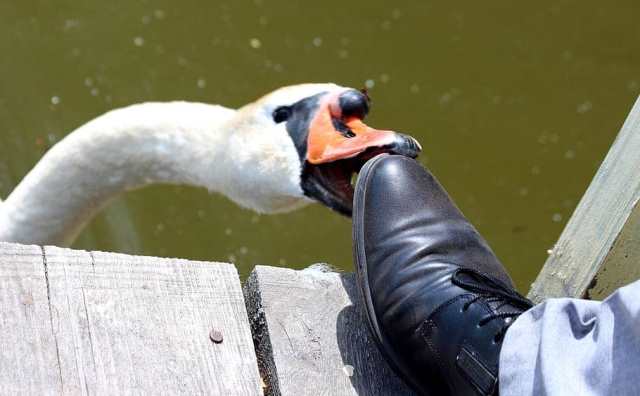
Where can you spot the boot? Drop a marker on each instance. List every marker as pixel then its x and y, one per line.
pixel 438 300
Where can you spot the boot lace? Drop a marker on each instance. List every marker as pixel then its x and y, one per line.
pixel 491 290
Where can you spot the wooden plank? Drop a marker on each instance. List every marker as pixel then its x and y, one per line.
pixel 76 322
pixel 312 337
pixel 599 249
pixel 127 324
pixel 28 353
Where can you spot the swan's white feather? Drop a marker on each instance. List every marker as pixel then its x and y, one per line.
pixel 241 153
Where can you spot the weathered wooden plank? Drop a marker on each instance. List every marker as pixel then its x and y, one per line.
pixel 28 353
pixel 127 324
pixel 599 249
pixel 76 322
pixel 312 337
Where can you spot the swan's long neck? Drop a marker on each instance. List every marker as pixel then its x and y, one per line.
pixel 178 143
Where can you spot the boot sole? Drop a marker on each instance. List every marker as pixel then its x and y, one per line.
pixel 361 272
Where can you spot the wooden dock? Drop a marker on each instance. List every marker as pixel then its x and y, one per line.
pixel 76 322
pixel 83 323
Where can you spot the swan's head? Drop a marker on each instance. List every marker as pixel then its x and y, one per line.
pixel 305 142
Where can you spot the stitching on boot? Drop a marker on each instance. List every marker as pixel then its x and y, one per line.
pixel 475 371
pixel 427 328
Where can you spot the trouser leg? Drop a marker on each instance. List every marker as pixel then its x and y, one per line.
pixel 575 347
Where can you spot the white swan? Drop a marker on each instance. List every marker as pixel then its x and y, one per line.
pixel 298 143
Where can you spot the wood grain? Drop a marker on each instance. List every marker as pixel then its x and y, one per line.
pixel 599 249
pixel 312 337
pixel 130 325
pixel 28 350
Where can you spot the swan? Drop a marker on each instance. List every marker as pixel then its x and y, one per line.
pixel 298 144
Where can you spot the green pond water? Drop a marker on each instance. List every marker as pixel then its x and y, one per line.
pixel 515 104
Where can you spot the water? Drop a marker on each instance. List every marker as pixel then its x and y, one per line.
pixel 515 105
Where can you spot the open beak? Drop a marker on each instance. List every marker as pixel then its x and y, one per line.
pixel 338 145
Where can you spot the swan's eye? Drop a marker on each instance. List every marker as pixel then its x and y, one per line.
pixel 281 114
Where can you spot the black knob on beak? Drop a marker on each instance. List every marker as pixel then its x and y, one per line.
pixel 354 104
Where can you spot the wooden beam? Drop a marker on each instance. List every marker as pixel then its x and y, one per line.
pixel 122 324
pixel 599 249
pixel 312 336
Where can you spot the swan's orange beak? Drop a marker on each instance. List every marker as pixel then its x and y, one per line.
pixel 337 132
pixel 338 144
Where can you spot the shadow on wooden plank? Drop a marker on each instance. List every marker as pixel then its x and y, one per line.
pixel 312 337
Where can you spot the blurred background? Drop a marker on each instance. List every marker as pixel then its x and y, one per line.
pixel 515 104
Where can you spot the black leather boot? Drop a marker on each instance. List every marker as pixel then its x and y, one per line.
pixel 438 300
